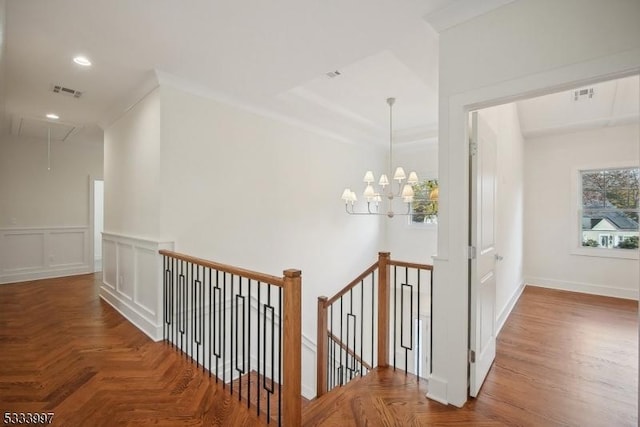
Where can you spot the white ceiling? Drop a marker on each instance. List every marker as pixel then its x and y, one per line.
pixel 270 56
pixel 613 103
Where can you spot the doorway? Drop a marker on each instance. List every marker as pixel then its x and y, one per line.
pixel 97 221
pixel 540 209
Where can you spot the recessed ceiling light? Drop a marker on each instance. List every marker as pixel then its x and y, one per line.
pixel 82 60
pixel 52 116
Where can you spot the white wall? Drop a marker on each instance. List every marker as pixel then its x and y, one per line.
pixel 551 169
pixel 132 171
pixel 250 191
pixel 3 31
pixel 131 263
pixel 236 187
pixel 414 242
pixel 32 196
pixel 44 215
pixel 503 120
pixel 525 47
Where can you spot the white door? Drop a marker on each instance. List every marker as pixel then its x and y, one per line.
pixel 482 318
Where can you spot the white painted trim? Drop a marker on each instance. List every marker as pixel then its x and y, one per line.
pixel 48 268
pixel 129 312
pixel 458 12
pixel 585 288
pixel 147 318
pixel 437 390
pixel 508 308
pixel 170 80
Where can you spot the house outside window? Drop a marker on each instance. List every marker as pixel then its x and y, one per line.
pixel 424 208
pixel 609 208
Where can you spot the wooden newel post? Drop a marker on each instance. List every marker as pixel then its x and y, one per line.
pixel 384 281
pixel 292 349
pixel 322 344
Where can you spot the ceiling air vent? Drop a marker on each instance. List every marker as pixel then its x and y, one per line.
pixel 581 94
pixel 333 74
pixel 66 91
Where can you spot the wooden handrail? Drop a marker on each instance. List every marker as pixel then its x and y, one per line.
pixel 352 284
pixel 253 275
pixel 348 350
pixel 410 265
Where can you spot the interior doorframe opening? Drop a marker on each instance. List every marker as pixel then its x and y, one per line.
pixel 476 106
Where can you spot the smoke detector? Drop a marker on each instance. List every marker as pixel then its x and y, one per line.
pixel 66 91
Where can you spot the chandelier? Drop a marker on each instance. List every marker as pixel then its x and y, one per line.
pixel 385 190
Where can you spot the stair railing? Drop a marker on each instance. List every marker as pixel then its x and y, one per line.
pixel 236 323
pixel 382 318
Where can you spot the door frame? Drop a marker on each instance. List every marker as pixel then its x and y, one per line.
pixel 449 380
pixel 92 261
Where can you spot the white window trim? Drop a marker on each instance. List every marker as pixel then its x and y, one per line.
pixel 576 247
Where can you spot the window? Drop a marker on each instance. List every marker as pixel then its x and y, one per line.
pixel 609 208
pixel 424 209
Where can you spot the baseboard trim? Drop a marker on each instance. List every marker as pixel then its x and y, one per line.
pixel 508 308
pixel 132 315
pixel 44 274
pixel 585 288
pixel 437 390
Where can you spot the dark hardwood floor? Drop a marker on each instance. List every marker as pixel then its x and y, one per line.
pixel 563 359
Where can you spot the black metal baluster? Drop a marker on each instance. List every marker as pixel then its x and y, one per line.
pixel 218 313
pixel 234 328
pixel 212 322
pixel 341 342
pixel 264 361
pixel 395 317
pixel 409 347
pixel 258 351
pixel 202 316
pixel 280 356
pixel 419 332
pixel 248 356
pixel 224 329
pixel 333 355
pixel 362 325
pixel 351 317
pixel 174 302
pixel 192 286
pixel 183 310
pixel 164 297
pixel 373 307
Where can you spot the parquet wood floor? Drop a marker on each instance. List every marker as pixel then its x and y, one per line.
pixel 63 350
pixel 562 359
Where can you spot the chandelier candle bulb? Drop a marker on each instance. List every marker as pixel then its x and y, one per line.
pixel 399 175
pixel 413 178
pixel 407 191
pixel 369 178
pixel 369 192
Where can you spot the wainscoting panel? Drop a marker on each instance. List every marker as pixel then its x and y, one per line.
pixel 43 252
pixel 132 280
